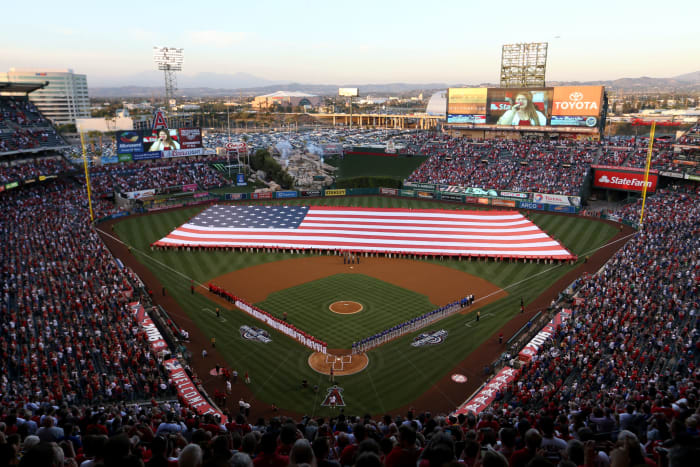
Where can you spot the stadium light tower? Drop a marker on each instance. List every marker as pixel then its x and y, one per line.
pixel 168 59
pixel 523 65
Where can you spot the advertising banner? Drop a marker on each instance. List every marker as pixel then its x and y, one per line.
pixel 519 107
pixel 424 195
pixel 155 338
pixel 558 120
pixel 125 158
pixel 240 179
pixel 190 187
pixel 487 394
pixel 529 205
pixel 582 101
pixel 420 186
pixel 544 198
pixel 236 196
pixel 556 208
pixel 338 192
pixel 190 138
pixel 129 141
pixel 261 195
pixel 665 173
pixel 182 153
pixel 514 194
pixel 310 193
pixel 503 202
pixel 348 92
pixel 286 194
pixel 187 391
pixel 623 180
pixel 483 201
pixel 533 347
pixel 388 191
pixel 144 156
pixel 109 159
pixel 467 102
pixel 471 200
pixel 407 193
pixel 466 118
pixel 141 194
pixel 451 197
pixel 236 146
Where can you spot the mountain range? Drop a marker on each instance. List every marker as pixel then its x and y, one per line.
pixel 150 84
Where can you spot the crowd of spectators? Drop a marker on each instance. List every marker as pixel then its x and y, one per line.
pixel 23 127
pixel 66 331
pixel 556 167
pixel 19 110
pixel 692 136
pixel 23 169
pixel 160 174
pixel 29 138
pixel 552 167
pixel 617 385
pixel 628 359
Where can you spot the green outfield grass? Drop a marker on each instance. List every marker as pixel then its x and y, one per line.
pixel 397 372
pixel 384 306
pixel 359 165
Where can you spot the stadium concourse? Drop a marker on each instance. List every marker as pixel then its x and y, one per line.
pixel 80 381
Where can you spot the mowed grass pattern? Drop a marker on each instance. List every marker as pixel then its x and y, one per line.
pixel 397 372
pixel 307 307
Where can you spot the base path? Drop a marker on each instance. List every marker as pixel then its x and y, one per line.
pixel 343 365
pixel 441 284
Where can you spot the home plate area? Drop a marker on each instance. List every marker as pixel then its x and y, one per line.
pixel 338 362
pixel 342 365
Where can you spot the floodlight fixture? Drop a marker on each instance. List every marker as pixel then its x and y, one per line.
pixel 169 60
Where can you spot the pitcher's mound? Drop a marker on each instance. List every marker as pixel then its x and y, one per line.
pixel 346 308
pixel 343 365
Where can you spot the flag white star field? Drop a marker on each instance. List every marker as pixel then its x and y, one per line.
pixel 409 231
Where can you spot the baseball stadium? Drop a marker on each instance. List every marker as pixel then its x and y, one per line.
pixel 477 284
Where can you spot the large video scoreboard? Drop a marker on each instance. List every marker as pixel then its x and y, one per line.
pixel 561 108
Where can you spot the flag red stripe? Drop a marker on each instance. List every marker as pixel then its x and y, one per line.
pixel 488 233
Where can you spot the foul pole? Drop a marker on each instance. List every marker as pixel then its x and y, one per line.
pixel 87 175
pixel 646 172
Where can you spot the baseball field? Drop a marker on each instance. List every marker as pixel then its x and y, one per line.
pixel 312 292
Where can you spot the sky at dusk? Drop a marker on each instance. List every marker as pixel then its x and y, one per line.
pixel 359 42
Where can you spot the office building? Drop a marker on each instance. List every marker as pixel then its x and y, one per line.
pixel 63 100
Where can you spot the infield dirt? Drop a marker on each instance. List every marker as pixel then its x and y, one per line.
pixel 441 284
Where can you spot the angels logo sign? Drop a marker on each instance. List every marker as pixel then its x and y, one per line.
pixel 255 334
pixel 334 398
pixel 159 120
pixel 429 338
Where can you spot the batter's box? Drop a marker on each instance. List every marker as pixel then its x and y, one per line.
pixel 338 362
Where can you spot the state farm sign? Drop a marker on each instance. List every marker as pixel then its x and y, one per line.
pixel 624 181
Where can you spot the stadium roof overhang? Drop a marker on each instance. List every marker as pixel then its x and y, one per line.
pixel 24 88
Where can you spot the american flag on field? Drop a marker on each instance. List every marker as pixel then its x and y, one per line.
pixel 413 231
